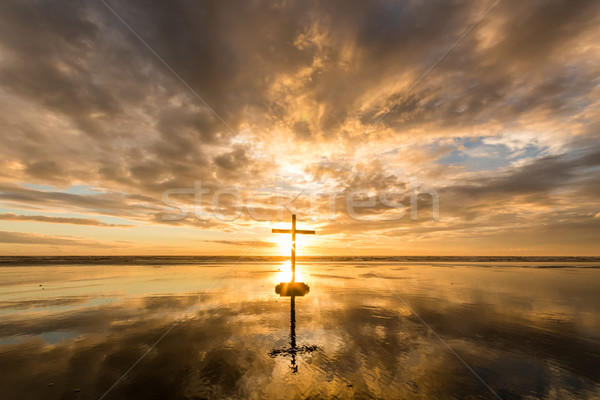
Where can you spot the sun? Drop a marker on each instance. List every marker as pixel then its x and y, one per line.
pixel 285 243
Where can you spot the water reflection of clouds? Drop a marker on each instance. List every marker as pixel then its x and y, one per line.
pixel 369 344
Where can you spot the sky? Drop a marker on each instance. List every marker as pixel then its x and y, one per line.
pixel 389 127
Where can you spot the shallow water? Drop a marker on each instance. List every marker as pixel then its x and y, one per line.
pixel 380 329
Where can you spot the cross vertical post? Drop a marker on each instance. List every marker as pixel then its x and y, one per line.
pixel 293 288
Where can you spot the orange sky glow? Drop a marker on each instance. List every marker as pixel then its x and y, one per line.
pixel 392 128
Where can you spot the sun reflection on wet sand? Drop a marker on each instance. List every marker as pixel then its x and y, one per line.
pixel 284 273
pixel 528 330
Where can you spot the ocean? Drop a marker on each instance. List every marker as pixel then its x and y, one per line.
pixel 370 328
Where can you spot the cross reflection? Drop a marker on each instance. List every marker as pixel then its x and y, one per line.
pixel 293 349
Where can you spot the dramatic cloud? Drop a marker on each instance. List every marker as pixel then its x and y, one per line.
pixel 34 239
pixel 58 220
pixel 108 109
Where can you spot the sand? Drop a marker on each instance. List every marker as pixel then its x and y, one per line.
pixel 380 329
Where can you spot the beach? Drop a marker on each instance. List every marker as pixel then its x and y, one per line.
pixel 210 327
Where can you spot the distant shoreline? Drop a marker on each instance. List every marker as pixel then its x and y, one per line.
pixel 175 260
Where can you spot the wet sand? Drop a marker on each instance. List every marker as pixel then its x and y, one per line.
pixel 379 329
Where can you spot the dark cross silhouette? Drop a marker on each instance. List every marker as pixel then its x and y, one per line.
pixel 294 231
pixel 292 350
pixel 291 290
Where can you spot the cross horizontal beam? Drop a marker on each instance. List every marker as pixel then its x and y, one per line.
pixel 300 231
pixel 294 231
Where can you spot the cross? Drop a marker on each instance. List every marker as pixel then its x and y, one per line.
pixel 294 231
pixel 293 289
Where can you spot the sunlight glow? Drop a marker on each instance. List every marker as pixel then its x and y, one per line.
pixel 285 243
pixel 285 273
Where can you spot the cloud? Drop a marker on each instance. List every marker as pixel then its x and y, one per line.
pixel 244 243
pixel 298 85
pixel 51 240
pixel 59 220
